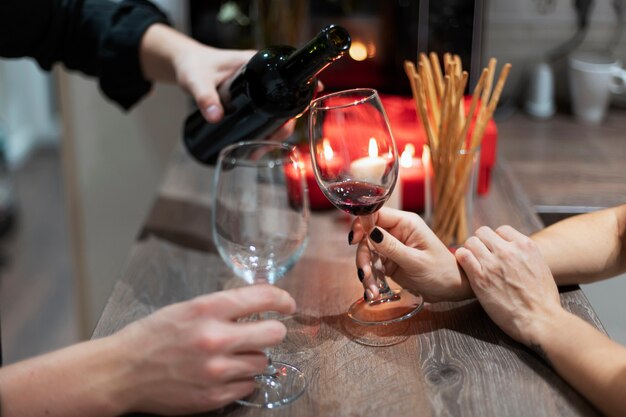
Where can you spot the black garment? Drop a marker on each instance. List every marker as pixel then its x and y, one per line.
pixel 97 37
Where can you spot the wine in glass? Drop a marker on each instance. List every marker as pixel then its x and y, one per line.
pixel 260 226
pixel 356 166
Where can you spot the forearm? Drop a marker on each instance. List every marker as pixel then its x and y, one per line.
pixel 87 379
pixel 585 248
pixel 591 362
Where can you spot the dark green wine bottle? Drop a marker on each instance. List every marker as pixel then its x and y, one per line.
pixel 277 84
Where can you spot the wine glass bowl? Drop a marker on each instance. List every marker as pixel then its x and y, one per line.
pixel 260 227
pixel 355 160
pixel 353 153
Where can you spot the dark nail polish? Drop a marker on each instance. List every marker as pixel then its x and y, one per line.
pixel 350 236
pixel 376 235
pixel 364 295
pixel 361 274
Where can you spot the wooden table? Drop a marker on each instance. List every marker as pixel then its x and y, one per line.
pixel 563 165
pixel 455 362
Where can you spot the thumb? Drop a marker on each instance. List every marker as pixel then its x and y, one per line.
pixel 387 245
pixel 208 101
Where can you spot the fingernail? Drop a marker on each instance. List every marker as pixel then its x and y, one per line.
pixel 365 295
pixel 368 295
pixel 212 113
pixel 361 274
pixel 376 235
pixel 350 236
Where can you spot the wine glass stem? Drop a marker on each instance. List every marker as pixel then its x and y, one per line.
pixel 270 369
pixel 378 269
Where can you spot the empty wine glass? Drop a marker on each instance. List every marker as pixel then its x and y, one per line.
pixel 260 226
pixel 356 166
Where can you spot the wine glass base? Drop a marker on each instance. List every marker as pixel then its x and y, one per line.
pixel 377 336
pixel 400 306
pixel 273 391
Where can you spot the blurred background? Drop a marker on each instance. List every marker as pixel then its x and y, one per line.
pixel 77 175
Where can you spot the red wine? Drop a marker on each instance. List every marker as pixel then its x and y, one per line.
pixel 277 84
pixel 357 198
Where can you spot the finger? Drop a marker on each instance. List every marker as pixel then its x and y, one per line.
pixel 244 301
pixel 357 232
pixel 235 367
pixel 510 234
pixel 391 248
pixel 227 337
pixel 469 263
pixel 389 218
pixel 490 238
pixel 207 99
pixel 363 264
pixel 478 248
pixel 250 336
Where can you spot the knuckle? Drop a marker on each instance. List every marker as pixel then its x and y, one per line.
pixel 265 294
pixel 199 306
pixel 391 248
pixel 504 228
pixel 215 370
pixel 214 342
pixel 414 218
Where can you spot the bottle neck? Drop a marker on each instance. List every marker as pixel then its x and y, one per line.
pixel 305 63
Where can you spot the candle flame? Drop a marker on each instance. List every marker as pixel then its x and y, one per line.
pixel 328 150
pixel 426 155
pixel 406 159
pixel 373 148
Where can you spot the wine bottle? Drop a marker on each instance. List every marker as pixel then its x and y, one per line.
pixel 277 84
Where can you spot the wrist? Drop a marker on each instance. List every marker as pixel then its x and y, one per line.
pixel 545 325
pixel 112 375
pixel 122 385
pixel 464 291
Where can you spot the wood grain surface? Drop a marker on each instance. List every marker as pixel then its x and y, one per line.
pixel 560 162
pixel 452 360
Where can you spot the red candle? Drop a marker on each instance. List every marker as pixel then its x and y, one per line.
pixel 411 179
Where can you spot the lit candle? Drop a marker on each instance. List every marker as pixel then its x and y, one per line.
pixel 371 168
pixel 411 180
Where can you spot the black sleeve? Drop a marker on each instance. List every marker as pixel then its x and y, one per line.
pixel 97 37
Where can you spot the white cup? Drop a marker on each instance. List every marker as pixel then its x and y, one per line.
pixel 593 77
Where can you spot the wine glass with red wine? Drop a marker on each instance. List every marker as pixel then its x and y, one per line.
pixel 356 166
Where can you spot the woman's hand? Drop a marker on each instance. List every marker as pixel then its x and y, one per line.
pixel 511 281
pixel 194 356
pixel 412 255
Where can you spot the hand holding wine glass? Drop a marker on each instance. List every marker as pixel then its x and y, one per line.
pixel 260 226
pixel 356 166
pixel 413 256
